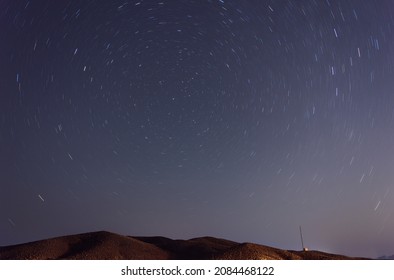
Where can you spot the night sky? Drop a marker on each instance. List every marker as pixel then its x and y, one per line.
pixel 184 118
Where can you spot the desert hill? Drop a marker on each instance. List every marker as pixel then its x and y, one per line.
pixel 110 246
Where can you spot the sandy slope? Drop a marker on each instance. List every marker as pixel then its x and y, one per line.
pixel 105 245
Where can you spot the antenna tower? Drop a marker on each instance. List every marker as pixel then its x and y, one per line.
pixel 302 241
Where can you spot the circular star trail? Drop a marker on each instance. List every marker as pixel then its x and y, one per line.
pixel 234 119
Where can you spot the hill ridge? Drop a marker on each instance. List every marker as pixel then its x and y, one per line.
pixel 103 245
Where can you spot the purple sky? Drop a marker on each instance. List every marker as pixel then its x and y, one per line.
pixel 234 119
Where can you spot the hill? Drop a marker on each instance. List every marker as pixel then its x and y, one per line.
pixel 104 245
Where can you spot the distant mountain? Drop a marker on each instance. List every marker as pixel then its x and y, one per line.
pixel 386 257
pixel 106 245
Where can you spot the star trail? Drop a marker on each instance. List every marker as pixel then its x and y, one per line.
pixel 234 119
